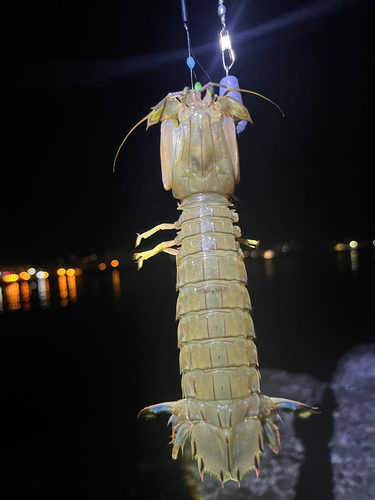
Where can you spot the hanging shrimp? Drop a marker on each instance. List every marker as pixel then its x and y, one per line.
pixel 222 411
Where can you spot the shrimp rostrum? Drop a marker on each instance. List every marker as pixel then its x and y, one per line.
pixel 222 411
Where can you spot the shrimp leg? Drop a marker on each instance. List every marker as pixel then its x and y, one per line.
pixel 162 247
pixel 154 230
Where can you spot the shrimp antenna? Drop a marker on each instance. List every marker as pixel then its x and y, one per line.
pixel 259 95
pixel 230 89
pixel 127 135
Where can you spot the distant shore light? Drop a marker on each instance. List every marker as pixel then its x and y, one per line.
pixel 10 278
pixel 42 275
pixel 269 254
pixel 340 247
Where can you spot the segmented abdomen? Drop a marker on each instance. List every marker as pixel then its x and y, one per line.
pixel 218 357
pixel 222 411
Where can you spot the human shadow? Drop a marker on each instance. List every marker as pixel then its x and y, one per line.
pixel 316 478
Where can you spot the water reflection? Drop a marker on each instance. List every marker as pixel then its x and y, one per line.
pixel 25 295
pixel 354 260
pixel 116 283
pixel 268 263
pixel 63 289
pixel 347 259
pixel 17 286
pixel 72 287
pixel 12 293
pixel 44 292
pixel 16 290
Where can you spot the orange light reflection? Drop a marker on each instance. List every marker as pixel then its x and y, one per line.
pixel 116 283
pixel 12 293
pixel 72 286
pixel 63 289
pixel 25 296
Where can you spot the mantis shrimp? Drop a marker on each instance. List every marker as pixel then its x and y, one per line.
pixel 223 412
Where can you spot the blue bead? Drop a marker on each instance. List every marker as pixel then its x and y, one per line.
pixel 190 62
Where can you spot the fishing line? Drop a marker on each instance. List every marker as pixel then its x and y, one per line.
pixel 191 60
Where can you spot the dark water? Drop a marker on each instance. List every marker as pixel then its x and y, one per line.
pixel 75 376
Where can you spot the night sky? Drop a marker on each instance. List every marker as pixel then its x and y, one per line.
pixel 78 75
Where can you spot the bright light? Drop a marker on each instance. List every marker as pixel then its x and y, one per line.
pixel 269 254
pixel 61 271
pixel 42 275
pixel 340 247
pixel 25 276
pixel 114 263
pixel 31 271
pixel 70 272
pixel 353 244
pixel 10 278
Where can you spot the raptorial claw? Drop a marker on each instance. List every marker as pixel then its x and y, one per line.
pixel 299 409
pixel 152 411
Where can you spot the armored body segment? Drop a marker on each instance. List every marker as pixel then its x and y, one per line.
pixel 212 295
pixel 211 265
pixel 210 280
pixel 198 209
pixel 208 241
pixel 216 323
pixel 218 353
pixel 221 384
pixel 203 225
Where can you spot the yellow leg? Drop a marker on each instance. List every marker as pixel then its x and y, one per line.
pixel 248 243
pixel 162 247
pixel 154 230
